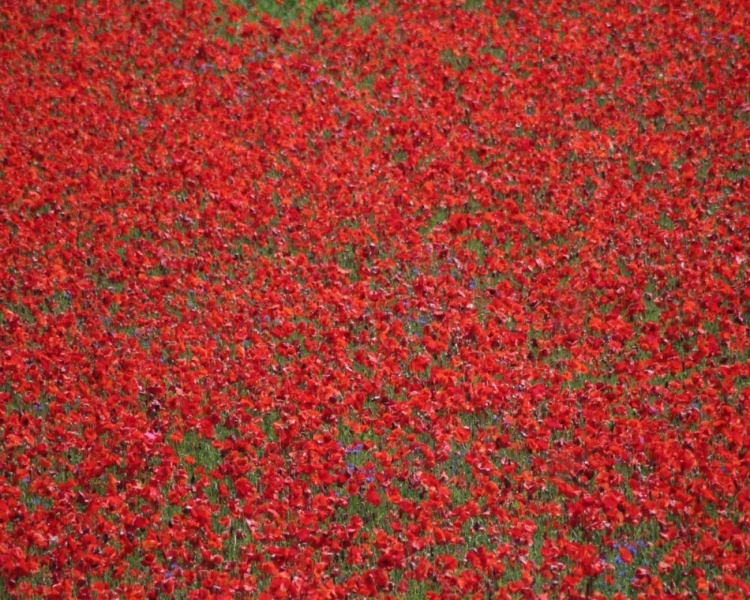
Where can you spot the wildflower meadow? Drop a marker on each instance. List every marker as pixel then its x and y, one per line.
pixel 422 299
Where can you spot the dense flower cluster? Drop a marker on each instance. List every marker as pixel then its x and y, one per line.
pixel 419 299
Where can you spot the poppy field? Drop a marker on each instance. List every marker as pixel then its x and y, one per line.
pixel 397 299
